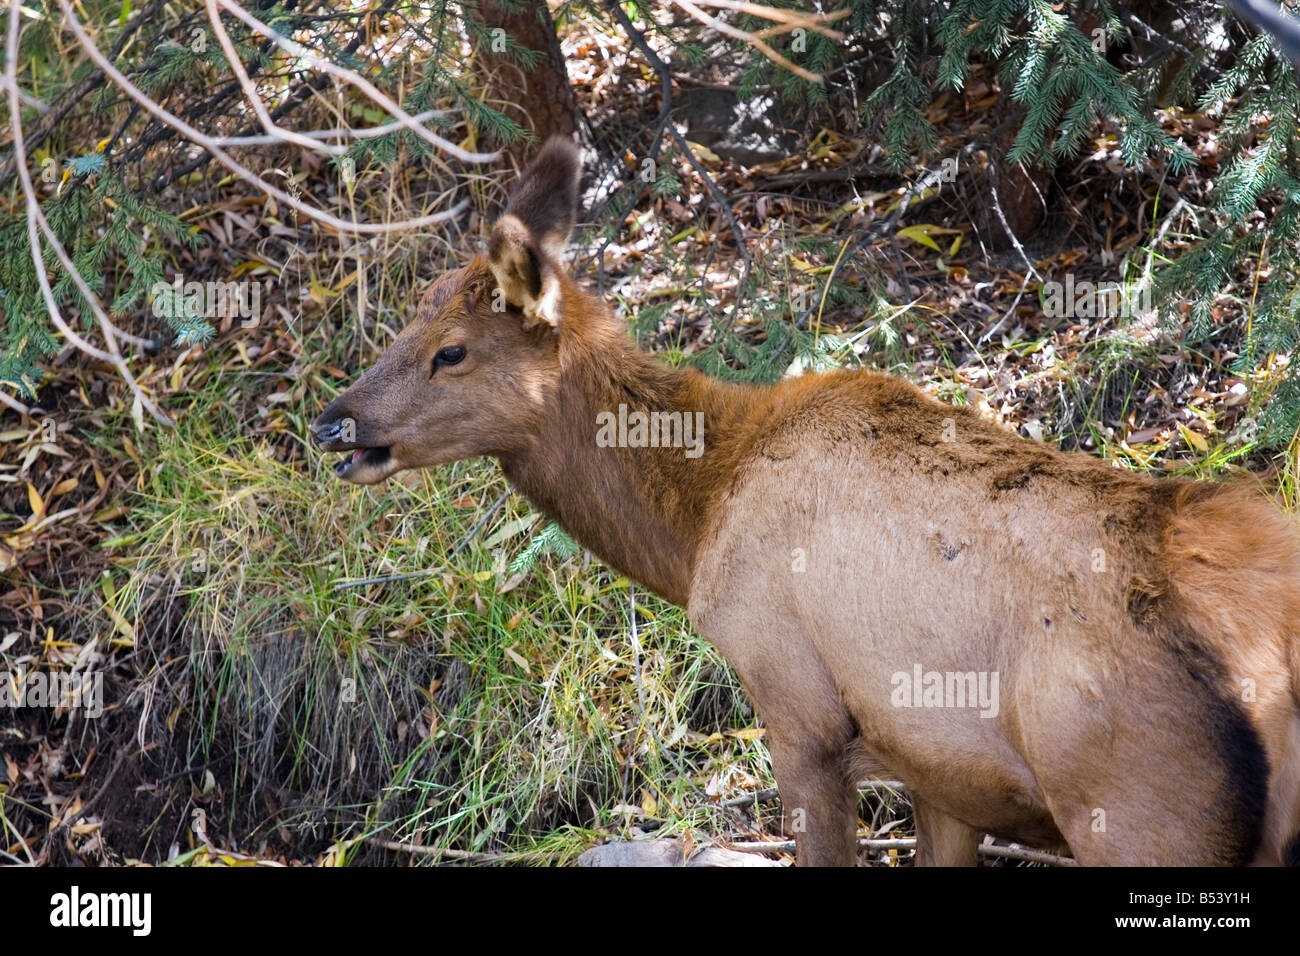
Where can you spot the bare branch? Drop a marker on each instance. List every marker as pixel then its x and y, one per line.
pixel 220 155
pixel 6 399
pixel 792 19
pixel 36 218
pixel 38 226
pixel 337 133
pixel 361 83
pixel 1272 19
pixel 254 99
pixel 748 38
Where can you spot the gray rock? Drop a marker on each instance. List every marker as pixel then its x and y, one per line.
pixel 749 132
pixel 666 853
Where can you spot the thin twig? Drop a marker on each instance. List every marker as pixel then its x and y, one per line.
pixel 718 196
pixel 1029 266
pixel 665 76
pixel 751 799
pixel 1269 17
pixel 788 846
pixel 1169 43
pixel 1017 852
pixel 76 94
pixel 1006 227
pixel 882 227
pixel 214 104
pixel 1168 221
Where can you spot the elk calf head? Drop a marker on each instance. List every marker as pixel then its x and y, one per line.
pixel 468 376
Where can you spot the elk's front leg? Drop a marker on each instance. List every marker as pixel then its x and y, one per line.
pixel 809 732
pixel 818 800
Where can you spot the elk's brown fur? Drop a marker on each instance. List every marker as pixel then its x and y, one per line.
pixel 841 529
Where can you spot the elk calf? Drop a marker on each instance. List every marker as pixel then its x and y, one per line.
pixel 1042 646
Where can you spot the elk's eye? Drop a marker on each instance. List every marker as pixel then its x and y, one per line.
pixel 451 355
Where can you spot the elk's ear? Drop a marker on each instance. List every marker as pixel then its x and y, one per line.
pixel 545 199
pixel 528 241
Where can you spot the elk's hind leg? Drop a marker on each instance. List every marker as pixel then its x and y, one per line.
pixel 941 839
pixel 1192 790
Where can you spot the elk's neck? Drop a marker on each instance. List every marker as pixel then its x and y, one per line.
pixel 595 469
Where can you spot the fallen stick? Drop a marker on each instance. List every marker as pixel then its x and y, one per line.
pixel 763 796
pixel 1013 852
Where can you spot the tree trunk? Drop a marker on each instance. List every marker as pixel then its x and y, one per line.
pixel 540 100
pixel 1020 190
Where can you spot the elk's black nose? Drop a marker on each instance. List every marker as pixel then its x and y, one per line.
pixel 324 434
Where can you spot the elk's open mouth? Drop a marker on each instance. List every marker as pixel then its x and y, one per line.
pixel 359 459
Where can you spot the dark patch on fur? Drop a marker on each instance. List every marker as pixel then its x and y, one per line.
pixel 1020 478
pixel 948 550
pixel 1141 598
pixel 1244 797
pixel 1243 792
pixel 896 404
